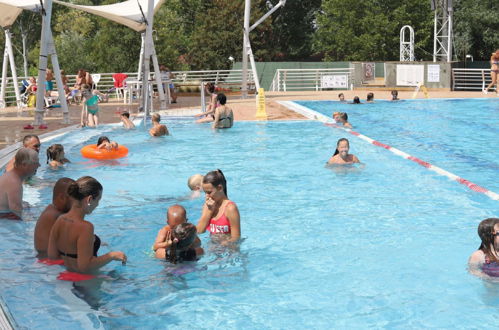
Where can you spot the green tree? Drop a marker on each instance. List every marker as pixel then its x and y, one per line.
pixel 369 29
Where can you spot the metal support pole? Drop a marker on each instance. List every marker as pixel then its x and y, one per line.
pixel 146 91
pixel 58 78
pixel 25 57
pixel 162 100
pixel 203 98
pixel 141 57
pixel 8 47
pixel 4 76
pixel 244 78
pixel 42 66
pixel 253 65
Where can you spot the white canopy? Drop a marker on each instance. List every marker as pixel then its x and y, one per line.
pixel 126 13
pixel 10 9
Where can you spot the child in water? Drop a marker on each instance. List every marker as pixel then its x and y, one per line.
pixel 195 184
pixel 341 155
pixel 55 156
pixel 104 143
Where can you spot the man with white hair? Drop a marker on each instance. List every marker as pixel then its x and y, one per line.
pixel 26 163
pixel 30 141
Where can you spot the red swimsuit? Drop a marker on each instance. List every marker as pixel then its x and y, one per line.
pixel 220 225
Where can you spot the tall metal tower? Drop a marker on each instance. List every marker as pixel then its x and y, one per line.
pixel 442 38
pixel 406 46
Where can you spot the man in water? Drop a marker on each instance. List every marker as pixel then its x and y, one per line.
pixel 29 141
pixel 61 203
pixel 26 163
pixel 157 128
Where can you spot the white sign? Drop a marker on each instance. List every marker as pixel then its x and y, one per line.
pixel 433 73
pixel 410 75
pixel 334 81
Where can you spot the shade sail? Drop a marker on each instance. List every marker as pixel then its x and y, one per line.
pixel 126 13
pixel 10 9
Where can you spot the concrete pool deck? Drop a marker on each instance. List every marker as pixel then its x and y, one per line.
pixel 12 121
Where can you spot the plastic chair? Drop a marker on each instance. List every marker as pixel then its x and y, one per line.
pixel 119 80
pixel 95 79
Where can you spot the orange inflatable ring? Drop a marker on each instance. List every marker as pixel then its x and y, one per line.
pixel 91 151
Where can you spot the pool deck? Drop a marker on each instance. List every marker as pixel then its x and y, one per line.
pixel 12 121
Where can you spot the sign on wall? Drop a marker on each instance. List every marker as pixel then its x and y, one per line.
pixel 368 71
pixel 433 74
pixel 410 75
pixel 334 81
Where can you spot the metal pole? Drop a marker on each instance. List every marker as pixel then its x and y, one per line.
pixel 141 58
pixel 159 83
pixel 58 78
pixel 270 12
pixel 203 99
pixel 25 57
pixel 146 97
pixel 253 65
pixel 42 66
pixel 244 78
pixel 435 31
pixel 8 45
pixel 449 40
pixel 4 73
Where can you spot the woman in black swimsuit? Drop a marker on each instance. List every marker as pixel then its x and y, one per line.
pixel 72 237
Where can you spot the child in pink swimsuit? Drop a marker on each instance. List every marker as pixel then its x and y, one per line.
pixel 220 216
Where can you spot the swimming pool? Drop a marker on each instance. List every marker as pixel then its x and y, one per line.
pixel 382 246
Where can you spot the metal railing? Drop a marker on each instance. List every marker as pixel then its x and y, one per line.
pixel 311 79
pixel 470 79
pixel 188 78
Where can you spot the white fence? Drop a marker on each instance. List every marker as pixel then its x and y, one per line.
pixel 224 78
pixel 470 79
pixel 312 79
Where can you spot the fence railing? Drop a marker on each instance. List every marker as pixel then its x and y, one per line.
pixel 188 78
pixel 470 79
pixel 311 79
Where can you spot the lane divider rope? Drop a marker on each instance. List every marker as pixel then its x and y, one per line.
pixel 314 115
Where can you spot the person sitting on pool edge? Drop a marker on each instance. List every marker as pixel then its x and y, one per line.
pixel 104 143
pixel 157 128
pixel 342 118
pixel 72 237
pixel 341 155
pixel 61 203
pixel 485 260
pixel 224 118
pixel 175 216
pixel 220 216
pixel 125 119
pixel 395 95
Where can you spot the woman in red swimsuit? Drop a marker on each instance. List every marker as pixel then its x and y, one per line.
pixel 220 215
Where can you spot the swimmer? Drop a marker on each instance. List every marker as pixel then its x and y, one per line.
pixel 61 203
pixel 175 216
pixel 356 100
pixel 104 143
pixel 485 261
pixel 341 97
pixel 72 237
pixel 341 155
pixel 370 97
pixel 26 163
pixel 220 215
pixel 224 118
pixel 55 156
pixel 30 141
pixel 335 116
pixel 342 118
pixel 157 128
pixel 181 240
pixel 195 184
pixel 125 119
pixel 395 95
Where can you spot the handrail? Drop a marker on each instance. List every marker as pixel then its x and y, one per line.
pixel 306 79
pixel 470 79
pixel 191 78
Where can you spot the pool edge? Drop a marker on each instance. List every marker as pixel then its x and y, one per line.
pixel 7 321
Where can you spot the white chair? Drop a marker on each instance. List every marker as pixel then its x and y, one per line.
pixel 95 79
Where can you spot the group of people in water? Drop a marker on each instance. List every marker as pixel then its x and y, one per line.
pixel 63 234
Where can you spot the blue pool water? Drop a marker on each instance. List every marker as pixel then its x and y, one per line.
pixel 381 246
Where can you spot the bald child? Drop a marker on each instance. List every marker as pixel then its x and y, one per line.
pixel 175 215
pixel 61 203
